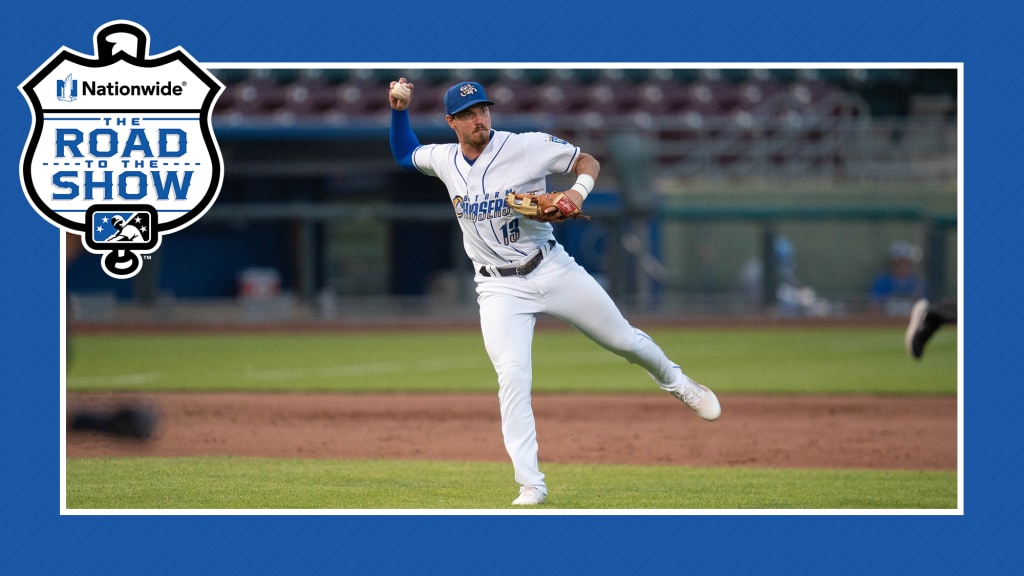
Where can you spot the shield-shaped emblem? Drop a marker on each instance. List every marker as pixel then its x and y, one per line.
pixel 121 132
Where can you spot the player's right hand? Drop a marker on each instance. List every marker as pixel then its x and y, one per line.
pixel 399 101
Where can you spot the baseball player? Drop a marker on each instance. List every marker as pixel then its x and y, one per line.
pixel 520 270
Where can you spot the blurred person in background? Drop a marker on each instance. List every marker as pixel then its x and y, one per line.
pixel 894 292
pixel 793 298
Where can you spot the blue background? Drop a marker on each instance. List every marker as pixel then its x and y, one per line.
pixel 984 35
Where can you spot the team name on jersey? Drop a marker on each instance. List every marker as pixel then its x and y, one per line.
pixel 477 210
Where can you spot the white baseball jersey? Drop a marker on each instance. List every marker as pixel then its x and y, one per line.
pixel 493 234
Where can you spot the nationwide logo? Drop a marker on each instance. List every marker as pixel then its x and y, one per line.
pixel 117 89
pixel 67 89
pixel 122 149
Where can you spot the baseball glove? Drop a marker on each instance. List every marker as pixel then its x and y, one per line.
pixel 536 206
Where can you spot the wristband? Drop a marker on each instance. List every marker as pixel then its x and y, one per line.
pixel 584 185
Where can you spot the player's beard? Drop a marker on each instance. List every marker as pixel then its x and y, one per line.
pixel 479 137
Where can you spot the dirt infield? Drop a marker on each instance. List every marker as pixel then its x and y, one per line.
pixel 755 431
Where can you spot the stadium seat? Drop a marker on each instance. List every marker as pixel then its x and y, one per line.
pixel 485 76
pixel 562 96
pixel 310 96
pixel 361 96
pixel 755 92
pixel 680 136
pixel 435 76
pixel 428 99
pixel 709 96
pixel 533 76
pixel 512 96
pixel 611 97
pixel 811 92
pixel 662 96
pixel 257 95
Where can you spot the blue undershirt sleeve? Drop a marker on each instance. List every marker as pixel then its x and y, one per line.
pixel 403 140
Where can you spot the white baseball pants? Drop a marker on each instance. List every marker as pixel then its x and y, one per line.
pixel 562 288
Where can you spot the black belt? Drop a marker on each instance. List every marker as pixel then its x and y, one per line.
pixel 523 269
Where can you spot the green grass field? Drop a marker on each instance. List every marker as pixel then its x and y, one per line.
pixel 269 483
pixel 821 360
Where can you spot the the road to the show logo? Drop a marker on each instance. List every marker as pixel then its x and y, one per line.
pixel 122 149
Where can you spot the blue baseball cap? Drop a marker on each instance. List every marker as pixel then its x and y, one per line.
pixel 463 95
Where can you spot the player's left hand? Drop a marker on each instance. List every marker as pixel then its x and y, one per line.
pixel 549 207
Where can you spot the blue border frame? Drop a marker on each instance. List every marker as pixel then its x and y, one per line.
pixel 985 39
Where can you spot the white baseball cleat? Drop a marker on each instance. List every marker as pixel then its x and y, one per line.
pixel 699 398
pixel 530 496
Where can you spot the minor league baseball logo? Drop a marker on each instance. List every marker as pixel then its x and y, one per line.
pixel 122 149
